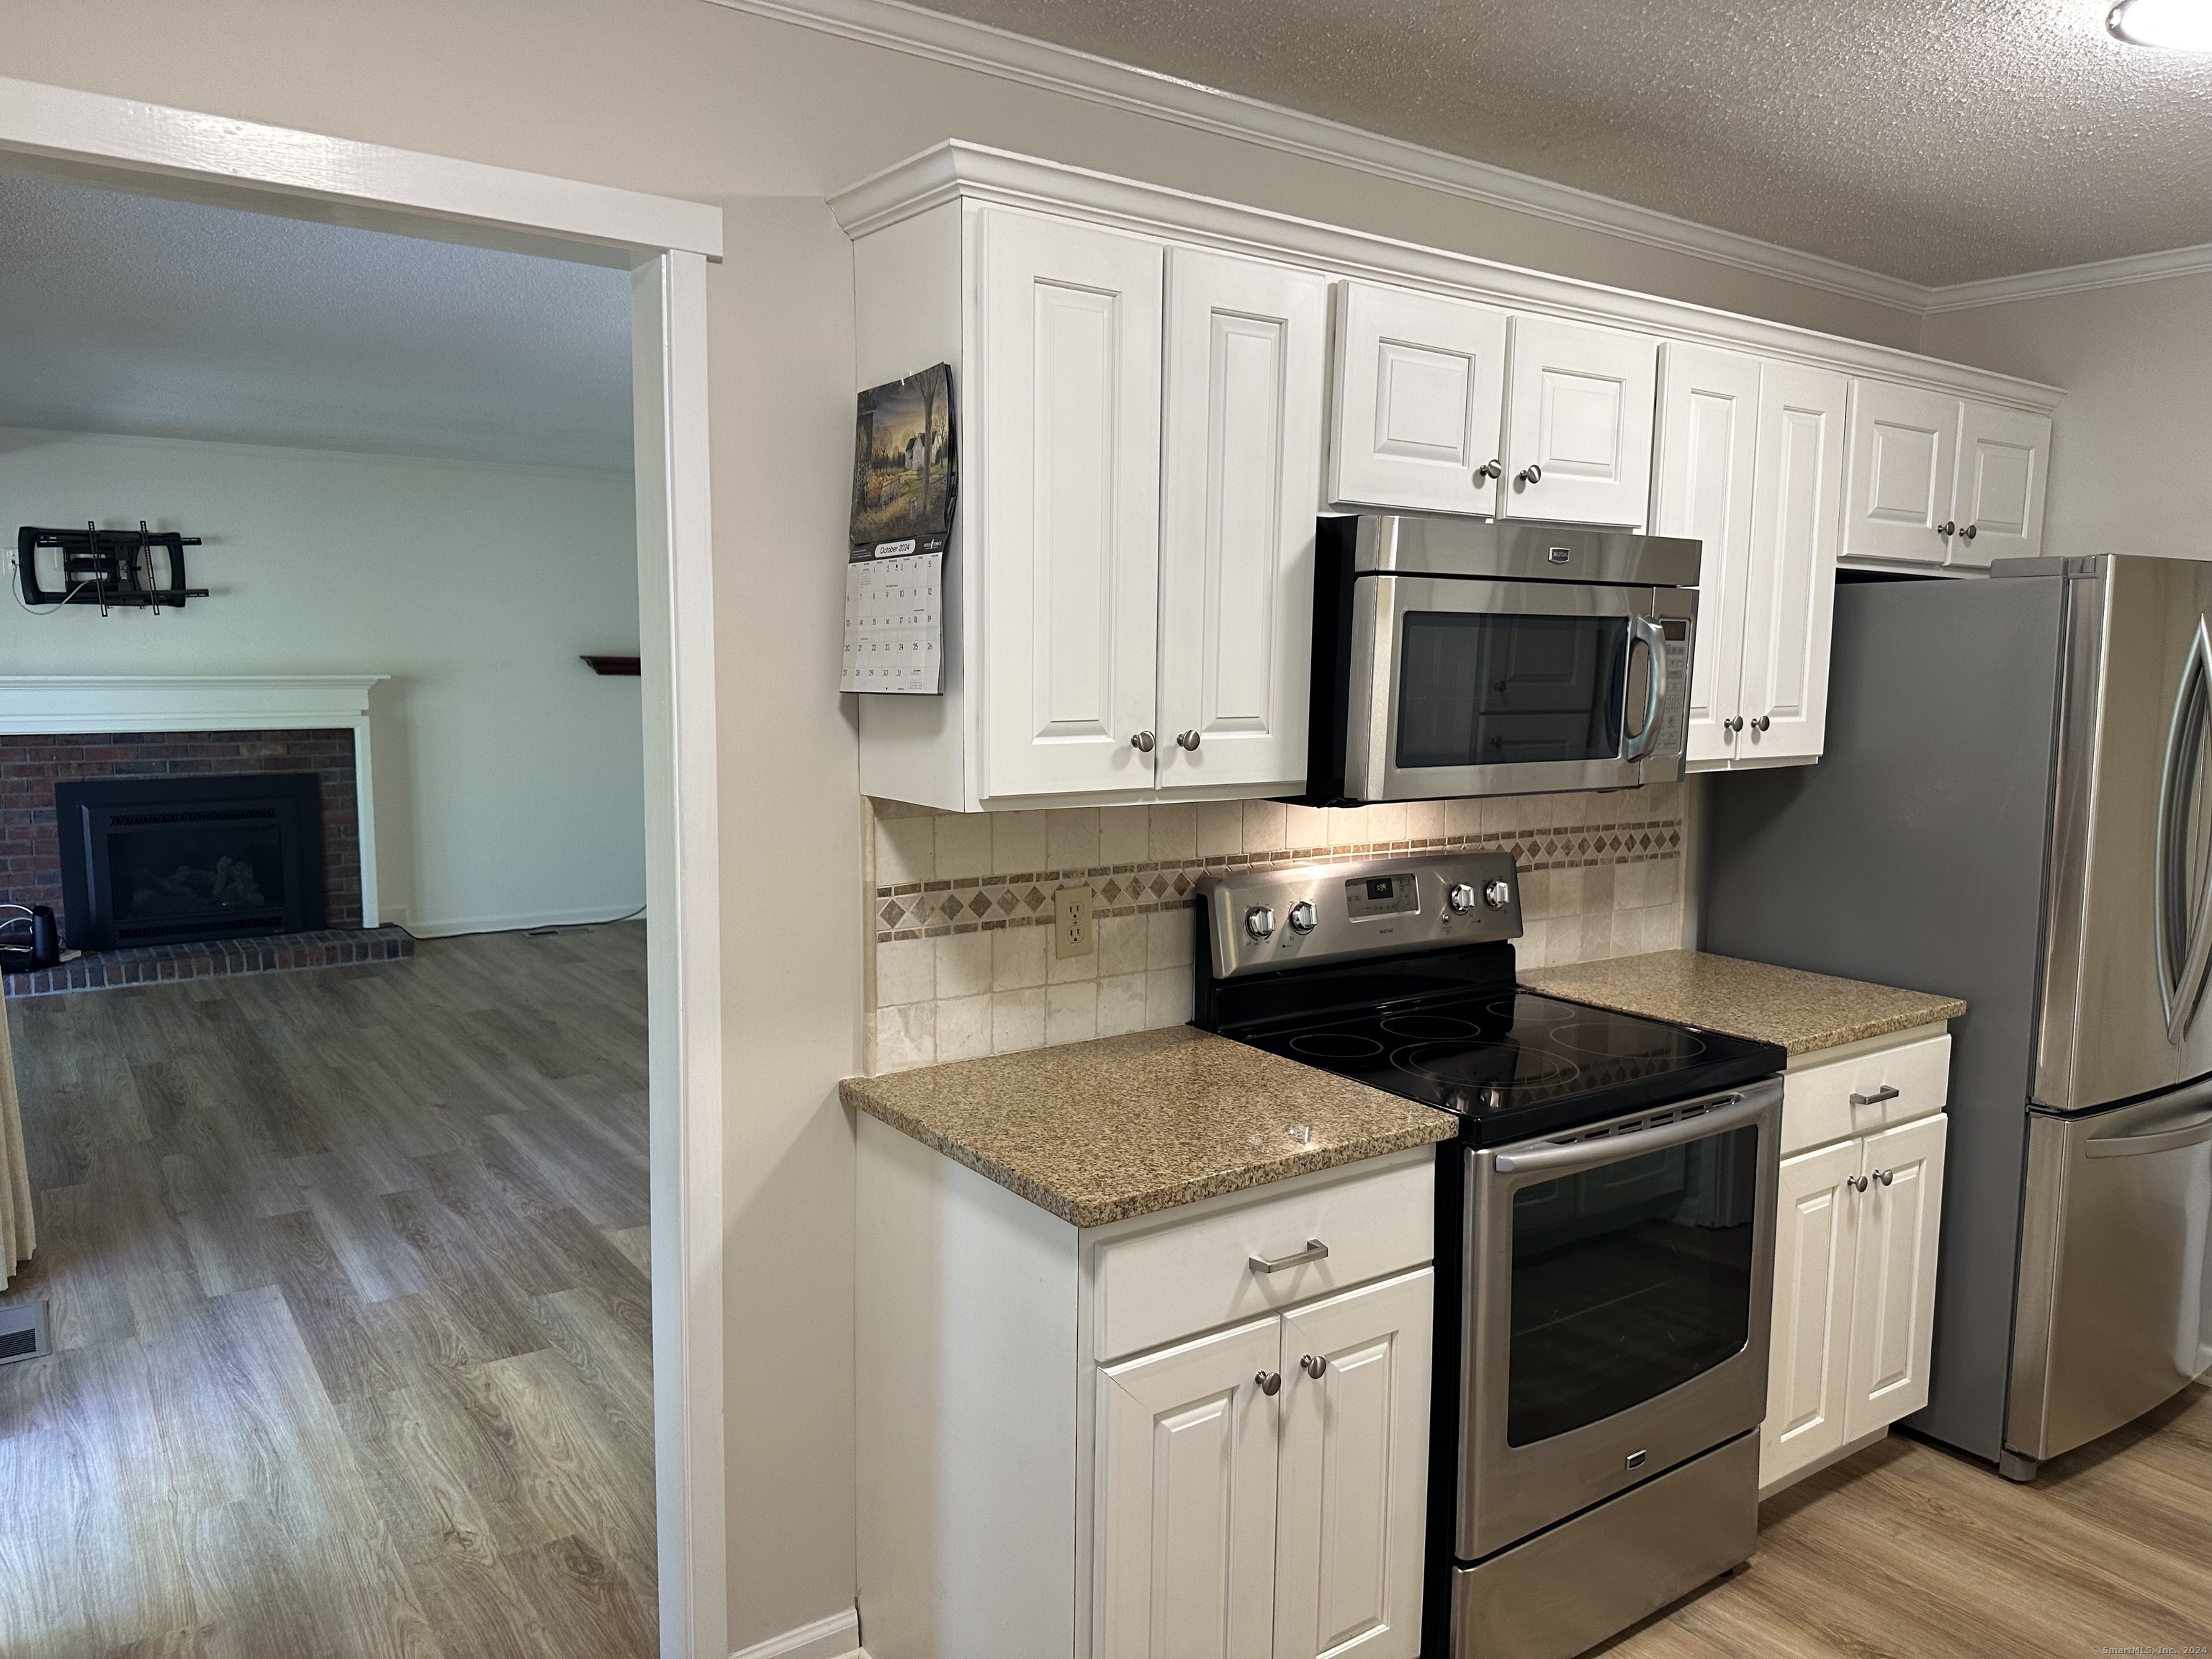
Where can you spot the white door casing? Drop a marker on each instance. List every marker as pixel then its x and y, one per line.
pixel 2003 455
pixel 1702 488
pixel 1241 470
pixel 1070 338
pixel 665 243
pixel 1578 411
pixel 1893 1315
pixel 1187 1486
pixel 1354 1473
pixel 1420 386
pixel 1790 591
pixel 1815 1254
pixel 1904 455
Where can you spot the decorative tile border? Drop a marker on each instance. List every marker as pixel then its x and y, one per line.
pixel 930 910
pixel 152 964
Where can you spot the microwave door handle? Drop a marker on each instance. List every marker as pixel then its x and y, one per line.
pixel 1644 630
pixel 1611 1149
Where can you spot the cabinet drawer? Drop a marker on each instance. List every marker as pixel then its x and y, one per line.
pixel 1186 1277
pixel 1816 1101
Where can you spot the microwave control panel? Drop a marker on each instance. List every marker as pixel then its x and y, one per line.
pixel 1675 708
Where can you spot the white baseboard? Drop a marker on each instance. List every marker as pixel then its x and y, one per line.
pixel 446 927
pixel 838 1637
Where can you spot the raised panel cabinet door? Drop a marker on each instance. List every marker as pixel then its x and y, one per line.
pixel 1069 471
pixel 1708 439
pixel 1578 411
pixel 1188 1443
pixel 1815 1247
pixel 1420 384
pixel 1893 1306
pixel 1790 602
pixel 1240 489
pixel 1354 1473
pixel 2003 454
pixel 1904 455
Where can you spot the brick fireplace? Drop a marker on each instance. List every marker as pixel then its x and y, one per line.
pixel 30 767
pixel 57 729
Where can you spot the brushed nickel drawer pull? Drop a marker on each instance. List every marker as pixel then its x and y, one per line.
pixel 1314 1251
pixel 1887 1092
pixel 1314 1364
pixel 1270 1383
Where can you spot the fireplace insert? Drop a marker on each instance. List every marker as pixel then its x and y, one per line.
pixel 170 861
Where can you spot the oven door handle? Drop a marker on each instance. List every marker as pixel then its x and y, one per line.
pixel 1589 1154
pixel 1643 629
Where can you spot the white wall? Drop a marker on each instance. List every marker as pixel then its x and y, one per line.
pixel 2131 446
pixel 508 777
pixel 763 119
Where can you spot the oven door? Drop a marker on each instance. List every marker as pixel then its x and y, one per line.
pixel 1460 686
pixel 1618 1288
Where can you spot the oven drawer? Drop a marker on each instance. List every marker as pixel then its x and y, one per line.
pixel 1184 1277
pixel 1817 1104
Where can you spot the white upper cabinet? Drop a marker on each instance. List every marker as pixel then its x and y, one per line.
pixel 1789 597
pixel 1420 387
pixel 1751 459
pixel 1998 505
pixel 1708 438
pixel 1941 480
pixel 1070 434
pixel 1156 397
pixel 1578 407
pixel 1241 487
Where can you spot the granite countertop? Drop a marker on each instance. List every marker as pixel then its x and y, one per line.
pixel 1801 1012
pixel 1100 1131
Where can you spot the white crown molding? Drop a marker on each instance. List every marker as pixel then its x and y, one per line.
pixel 2074 279
pixel 958 171
pixel 1060 68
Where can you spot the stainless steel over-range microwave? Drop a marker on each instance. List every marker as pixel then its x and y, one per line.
pixel 1460 657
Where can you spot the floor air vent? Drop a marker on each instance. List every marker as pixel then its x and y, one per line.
pixel 23 1332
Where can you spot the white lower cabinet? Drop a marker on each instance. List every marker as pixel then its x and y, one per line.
pixel 1189 1444
pixel 1352 1476
pixel 1857 1221
pixel 1128 1442
pixel 1241 1522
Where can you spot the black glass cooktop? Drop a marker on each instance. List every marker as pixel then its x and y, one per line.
pixel 1515 1063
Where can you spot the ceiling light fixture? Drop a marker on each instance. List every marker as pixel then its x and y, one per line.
pixel 2169 25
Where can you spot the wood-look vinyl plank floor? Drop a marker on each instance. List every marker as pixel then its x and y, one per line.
pixel 348 1275
pixel 1906 1550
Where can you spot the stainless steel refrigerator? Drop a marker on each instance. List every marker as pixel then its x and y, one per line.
pixel 2015 807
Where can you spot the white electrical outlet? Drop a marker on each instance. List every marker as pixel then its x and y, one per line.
pixel 1072 931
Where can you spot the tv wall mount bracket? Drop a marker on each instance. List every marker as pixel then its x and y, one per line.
pixel 139 569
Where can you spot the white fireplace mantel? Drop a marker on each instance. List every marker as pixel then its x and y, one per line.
pixel 40 705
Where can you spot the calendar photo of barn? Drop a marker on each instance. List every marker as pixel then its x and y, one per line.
pixel 903 474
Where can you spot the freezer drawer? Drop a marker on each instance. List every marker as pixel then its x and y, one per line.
pixel 2112 1313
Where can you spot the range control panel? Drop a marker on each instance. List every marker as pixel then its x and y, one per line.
pixel 1277 919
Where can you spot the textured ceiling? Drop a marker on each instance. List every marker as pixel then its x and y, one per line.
pixel 134 315
pixel 1941 141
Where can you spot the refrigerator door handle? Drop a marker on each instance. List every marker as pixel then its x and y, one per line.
pixel 2172 1138
pixel 2184 930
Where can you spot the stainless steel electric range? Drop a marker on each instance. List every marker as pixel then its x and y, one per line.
pixel 1605 1238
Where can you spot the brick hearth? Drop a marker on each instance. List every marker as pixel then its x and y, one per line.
pixel 30 850
pixel 151 965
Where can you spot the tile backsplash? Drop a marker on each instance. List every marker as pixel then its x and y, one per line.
pixel 959 903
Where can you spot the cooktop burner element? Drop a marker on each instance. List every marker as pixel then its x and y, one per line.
pixel 1418 997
